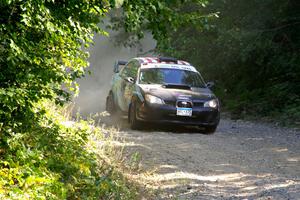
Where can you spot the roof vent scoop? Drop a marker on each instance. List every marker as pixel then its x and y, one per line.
pixel 167 59
pixel 177 86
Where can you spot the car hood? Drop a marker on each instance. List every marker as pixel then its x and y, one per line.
pixel 172 94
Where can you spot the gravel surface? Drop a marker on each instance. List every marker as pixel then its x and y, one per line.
pixel 241 160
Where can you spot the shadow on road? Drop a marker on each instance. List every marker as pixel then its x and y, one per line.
pixel 240 161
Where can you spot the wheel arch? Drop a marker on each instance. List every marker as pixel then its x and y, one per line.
pixel 134 99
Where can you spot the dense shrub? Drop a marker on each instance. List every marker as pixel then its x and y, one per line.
pixel 56 160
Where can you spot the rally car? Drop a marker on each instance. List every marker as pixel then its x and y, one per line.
pixel 162 90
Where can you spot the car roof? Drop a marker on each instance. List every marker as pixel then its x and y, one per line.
pixel 165 62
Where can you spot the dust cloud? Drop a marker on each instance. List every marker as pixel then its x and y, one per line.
pixel 103 54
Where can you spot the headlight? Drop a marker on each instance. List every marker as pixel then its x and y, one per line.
pixel 153 99
pixel 212 103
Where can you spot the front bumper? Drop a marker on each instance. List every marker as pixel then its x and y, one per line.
pixel 201 116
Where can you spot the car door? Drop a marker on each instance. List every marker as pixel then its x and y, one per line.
pixel 117 83
pixel 119 87
pixel 129 77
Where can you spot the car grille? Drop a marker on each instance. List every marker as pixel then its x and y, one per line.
pixel 184 104
pixel 198 104
pixel 195 103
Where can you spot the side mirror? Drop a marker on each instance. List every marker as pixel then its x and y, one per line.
pixel 130 79
pixel 210 84
pixel 117 65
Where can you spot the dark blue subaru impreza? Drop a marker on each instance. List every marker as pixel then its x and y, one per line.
pixel 162 90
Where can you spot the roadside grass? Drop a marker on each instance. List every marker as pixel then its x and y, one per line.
pixel 62 159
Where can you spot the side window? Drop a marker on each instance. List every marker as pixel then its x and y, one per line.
pixel 134 69
pixel 124 73
pixel 130 70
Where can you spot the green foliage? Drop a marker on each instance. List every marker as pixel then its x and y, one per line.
pixel 57 159
pixel 252 52
pixel 156 16
pixel 42 52
pixel 42 48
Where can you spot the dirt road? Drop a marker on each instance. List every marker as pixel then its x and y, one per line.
pixel 242 160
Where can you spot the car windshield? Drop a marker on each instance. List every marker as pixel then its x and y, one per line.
pixel 165 76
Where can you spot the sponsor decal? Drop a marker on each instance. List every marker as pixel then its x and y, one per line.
pixel 169 66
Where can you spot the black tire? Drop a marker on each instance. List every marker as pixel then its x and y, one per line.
pixel 110 104
pixel 209 129
pixel 135 124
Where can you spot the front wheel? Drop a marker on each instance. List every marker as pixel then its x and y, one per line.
pixel 135 124
pixel 110 104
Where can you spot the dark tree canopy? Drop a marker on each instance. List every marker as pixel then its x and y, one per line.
pixel 252 51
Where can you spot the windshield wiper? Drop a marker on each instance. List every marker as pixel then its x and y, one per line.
pixel 177 86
